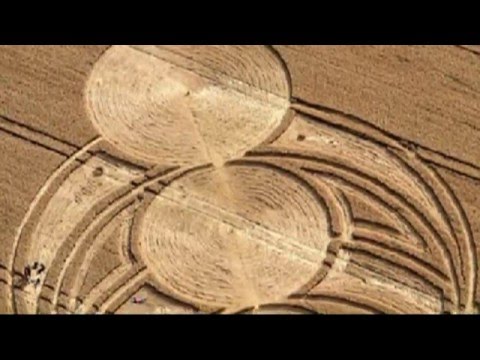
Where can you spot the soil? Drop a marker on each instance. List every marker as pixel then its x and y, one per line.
pixel 240 179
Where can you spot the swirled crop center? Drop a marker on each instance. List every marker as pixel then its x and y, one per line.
pixel 185 105
pixel 236 236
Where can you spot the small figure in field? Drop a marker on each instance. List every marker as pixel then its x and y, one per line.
pixel 27 272
pixel 41 269
pixel 32 274
pixel 139 300
pixel 255 309
pixel 24 278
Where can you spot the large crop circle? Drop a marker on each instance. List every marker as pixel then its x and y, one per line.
pixel 185 105
pixel 237 236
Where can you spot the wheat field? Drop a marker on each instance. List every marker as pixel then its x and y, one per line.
pixel 225 179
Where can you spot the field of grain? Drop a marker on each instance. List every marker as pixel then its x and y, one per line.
pixel 175 179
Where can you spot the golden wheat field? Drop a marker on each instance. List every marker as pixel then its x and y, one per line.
pixel 224 179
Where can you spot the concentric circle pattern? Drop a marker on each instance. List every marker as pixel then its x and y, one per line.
pixel 164 104
pixel 230 237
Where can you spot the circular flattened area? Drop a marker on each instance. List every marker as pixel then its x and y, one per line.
pixel 234 236
pixel 185 105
